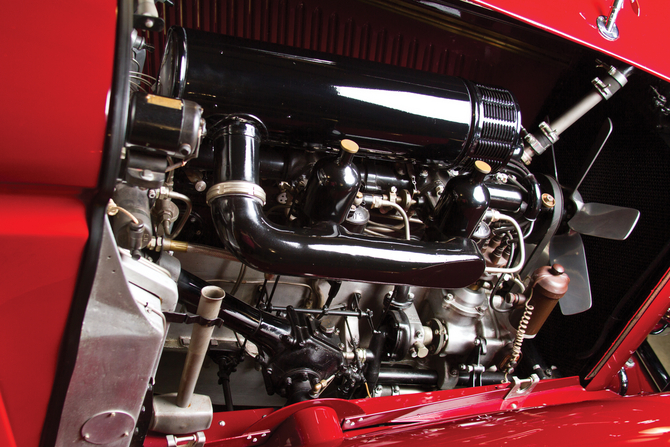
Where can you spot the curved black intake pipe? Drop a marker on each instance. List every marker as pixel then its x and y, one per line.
pixel 327 250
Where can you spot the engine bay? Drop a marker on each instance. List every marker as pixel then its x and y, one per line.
pixel 294 225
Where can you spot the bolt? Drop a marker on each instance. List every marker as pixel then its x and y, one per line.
pixel 514 406
pixel 424 173
pixel 152 193
pixel 185 149
pixel 200 186
pixel 439 189
pixel 149 23
pixel 222 423
pixel 147 174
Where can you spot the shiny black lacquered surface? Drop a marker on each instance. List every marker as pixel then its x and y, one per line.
pixel 236 157
pixel 505 197
pixel 462 205
pixel 328 251
pixel 307 96
pixel 325 250
pixel 331 189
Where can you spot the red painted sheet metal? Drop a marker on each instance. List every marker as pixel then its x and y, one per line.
pixel 642 27
pixel 637 329
pixel 639 381
pixel 556 412
pixel 6 435
pixel 42 238
pixel 314 426
pixel 57 63
pixel 465 402
pixel 370 416
pixel 622 421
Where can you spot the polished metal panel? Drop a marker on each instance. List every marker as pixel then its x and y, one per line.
pixel 121 341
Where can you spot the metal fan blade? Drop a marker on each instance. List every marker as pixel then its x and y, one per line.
pixel 598 219
pixel 598 145
pixel 568 250
pixel 606 221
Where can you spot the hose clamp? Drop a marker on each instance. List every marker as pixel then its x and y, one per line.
pixel 236 188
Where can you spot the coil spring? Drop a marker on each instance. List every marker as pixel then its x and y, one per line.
pixel 518 341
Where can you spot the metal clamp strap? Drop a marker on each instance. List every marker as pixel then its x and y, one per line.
pixel 236 188
pixel 175 317
pixel 550 133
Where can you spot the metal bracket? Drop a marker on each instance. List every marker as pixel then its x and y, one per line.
pixel 175 317
pixel 522 387
pixel 196 440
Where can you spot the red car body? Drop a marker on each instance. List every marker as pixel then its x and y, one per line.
pixel 58 117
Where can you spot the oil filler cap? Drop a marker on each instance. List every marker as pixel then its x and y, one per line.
pixel 349 146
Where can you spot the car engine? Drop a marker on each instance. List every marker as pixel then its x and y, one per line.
pixel 294 225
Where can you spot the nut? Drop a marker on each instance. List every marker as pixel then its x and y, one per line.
pixel 548 200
